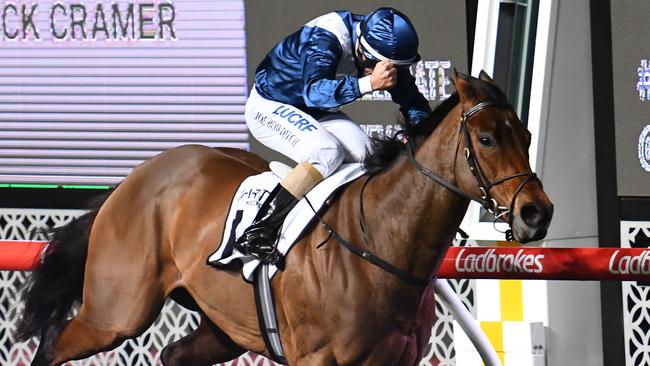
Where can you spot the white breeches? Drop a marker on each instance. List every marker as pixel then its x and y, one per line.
pixel 324 143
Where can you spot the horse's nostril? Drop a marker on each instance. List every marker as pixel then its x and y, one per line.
pixel 533 215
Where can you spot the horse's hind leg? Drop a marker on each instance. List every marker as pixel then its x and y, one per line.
pixel 77 340
pixel 118 303
pixel 206 345
pixel 90 331
pixel 46 345
pixel 84 336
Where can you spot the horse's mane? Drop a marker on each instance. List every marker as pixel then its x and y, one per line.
pixel 387 148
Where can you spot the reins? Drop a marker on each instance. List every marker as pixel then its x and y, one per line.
pixel 377 261
pixel 485 199
pixel 366 254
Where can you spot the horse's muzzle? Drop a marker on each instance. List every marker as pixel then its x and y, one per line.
pixel 532 222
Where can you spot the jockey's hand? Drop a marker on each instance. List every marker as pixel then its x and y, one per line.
pixel 384 76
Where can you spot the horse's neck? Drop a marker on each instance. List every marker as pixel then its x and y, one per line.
pixel 411 219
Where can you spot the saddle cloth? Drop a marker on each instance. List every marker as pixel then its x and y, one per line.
pixel 249 197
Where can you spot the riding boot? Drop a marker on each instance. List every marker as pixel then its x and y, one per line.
pixel 260 239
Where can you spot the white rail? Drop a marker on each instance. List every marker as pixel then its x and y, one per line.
pixel 467 322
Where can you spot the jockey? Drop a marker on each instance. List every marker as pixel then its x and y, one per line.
pixel 300 85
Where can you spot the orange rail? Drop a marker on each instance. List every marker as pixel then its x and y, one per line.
pixel 584 264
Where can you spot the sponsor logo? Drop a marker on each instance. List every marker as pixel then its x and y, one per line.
pixel 491 262
pixel 294 118
pixel 644 148
pixel 630 264
pixel 253 197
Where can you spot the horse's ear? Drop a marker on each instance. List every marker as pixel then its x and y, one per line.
pixel 465 90
pixel 485 77
pixel 455 76
pixel 459 75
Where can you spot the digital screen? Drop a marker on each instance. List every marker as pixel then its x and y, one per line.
pixel 631 75
pixel 90 89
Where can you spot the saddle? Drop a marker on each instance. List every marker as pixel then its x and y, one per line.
pixel 249 197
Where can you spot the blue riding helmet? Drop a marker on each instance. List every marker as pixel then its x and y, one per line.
pixel 387 34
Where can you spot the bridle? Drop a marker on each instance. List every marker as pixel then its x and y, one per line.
pixel 484 185
pixel 485 198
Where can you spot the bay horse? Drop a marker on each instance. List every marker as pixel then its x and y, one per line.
pixel 149 240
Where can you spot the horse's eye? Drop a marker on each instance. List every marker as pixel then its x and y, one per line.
pixel 485 141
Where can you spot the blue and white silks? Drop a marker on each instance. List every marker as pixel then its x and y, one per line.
pixel 314 69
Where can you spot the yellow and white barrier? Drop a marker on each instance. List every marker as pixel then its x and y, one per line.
pixel 516 343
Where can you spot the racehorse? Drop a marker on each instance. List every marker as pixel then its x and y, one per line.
pixel 149 240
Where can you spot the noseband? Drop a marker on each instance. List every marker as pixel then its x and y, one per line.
pixel 484 185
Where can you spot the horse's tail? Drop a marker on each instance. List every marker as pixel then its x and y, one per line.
pixel 55 286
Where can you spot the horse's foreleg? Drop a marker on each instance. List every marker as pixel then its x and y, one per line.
pixel 206 345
